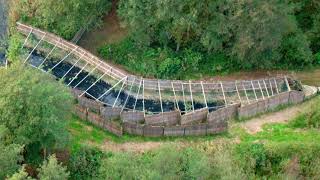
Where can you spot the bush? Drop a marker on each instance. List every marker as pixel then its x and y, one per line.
pixel 164 62
pixel 254 158
pixel 167 162
pixel 85 163
pixel 14 48
pixel 310 118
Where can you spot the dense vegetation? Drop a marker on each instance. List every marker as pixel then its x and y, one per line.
pixel 222 35
pixel 32 117
pixel 64 18
pixel 169 39
pixel 279 152
pixel 33 126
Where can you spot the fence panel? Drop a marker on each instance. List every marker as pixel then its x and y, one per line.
pixel 174 131
pixel 81 112
pixel 195 130
pixel 152 131
pixel 296 97
pixel 132 116
pixel 163 119
pixel 197 116
pixel 133 128
pixel 110 113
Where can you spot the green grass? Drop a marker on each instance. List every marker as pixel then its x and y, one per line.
pixel 283 133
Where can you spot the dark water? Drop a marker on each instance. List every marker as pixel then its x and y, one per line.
pixel 83 82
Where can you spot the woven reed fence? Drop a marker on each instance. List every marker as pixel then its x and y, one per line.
pixel 200 122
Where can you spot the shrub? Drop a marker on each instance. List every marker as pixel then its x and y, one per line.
pixel 167 162
pixel 310 118
pixel 85 163
pixel 14 48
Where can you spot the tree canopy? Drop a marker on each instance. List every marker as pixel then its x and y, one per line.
pixel 257 33
pixel 61 17
pixel 34 108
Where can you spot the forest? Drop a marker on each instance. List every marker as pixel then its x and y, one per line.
pixel 41 138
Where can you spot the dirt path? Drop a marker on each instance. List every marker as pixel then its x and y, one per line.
pixel 255 125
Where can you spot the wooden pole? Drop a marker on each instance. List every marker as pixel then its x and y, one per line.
pixel 224 96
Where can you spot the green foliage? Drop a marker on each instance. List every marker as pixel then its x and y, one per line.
pixel 166 162
pixel 33 107
pixel 295 51
pixel 318 58
pixel 64 18
pixel 85 163
pixel 255 34
pixel 14 48
pixel 10 155
pixel 254 158
pixel 310 118
pixel 225 166
pixel 164 62
pixel 52 170
pixel 308 16
pixel 21 175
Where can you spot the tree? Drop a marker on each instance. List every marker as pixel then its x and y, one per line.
pixel 52 170
pixel 250 32
pixel 61 17
pixel 258 28
pixel 308 16
pixel 10 155
pixel 34 107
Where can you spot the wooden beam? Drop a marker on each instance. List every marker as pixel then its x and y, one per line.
pixel 92 85
pixel 261 89
pixel 54 47
pixel 64 58
pixel 175 97
pixel 275 82
pixel 111 88
pixel 159 89
pixel 34 48
pixel 123 82
pixel 254 90
pixel 271 87
pixel 25 41
pixel 287 83
pixel 125 103
pixel 204 95
pixel 86 76
pixel 245 92
pixel 224 96
pixel 135 103
pixel 77 74
pixel 191 96
pixel 73 66
pixel 265 85
pixel 238 92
